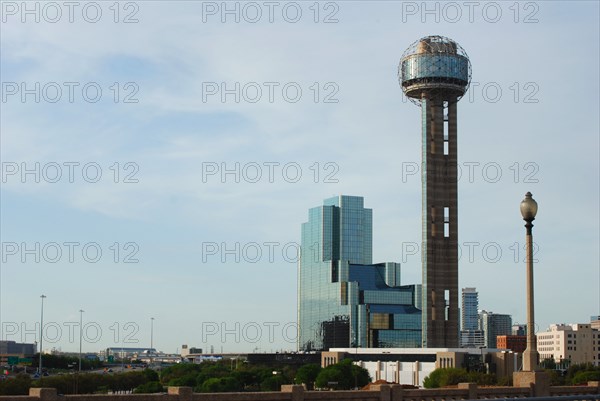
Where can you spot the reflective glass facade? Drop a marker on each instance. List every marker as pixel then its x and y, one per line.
pixel 344 299
pixel 470 306
pixel 450 67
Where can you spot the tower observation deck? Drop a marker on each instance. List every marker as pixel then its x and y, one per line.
pixel 435 72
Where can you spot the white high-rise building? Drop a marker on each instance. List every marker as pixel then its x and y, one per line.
pixel 577 343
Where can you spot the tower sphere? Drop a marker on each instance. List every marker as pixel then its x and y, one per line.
pixel 434 67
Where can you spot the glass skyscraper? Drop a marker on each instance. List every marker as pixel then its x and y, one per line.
pixel 470 335
pixel 470 306
pixel 494 325
pixel 344 299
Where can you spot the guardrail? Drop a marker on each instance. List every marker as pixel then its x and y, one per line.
pixel 384 392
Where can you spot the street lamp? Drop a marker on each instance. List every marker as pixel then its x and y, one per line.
pixel 529 209
pixel 80 335
pixel 41 335
pixel 151 338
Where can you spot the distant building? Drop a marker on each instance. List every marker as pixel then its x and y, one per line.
pixel 185 350
pixel 126 352
pixel 413 365
pixel 470 335
pixel 470 305
pixel 344 299
pixel 15 349
pixel 513 343
pixel 471 339
pixel 576 343
pixel 595 322
pixel 519 330
pixel 494 325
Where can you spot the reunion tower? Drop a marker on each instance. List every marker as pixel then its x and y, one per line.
pixel 434 73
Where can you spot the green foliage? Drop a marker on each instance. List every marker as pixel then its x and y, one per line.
pixel 219 385
pixel 548 363
pixel 586 376
pixel 89 383
pixel 434 378
pixel 179 370
pixel 556 378
pixel 188 380
pixel 150 387
pixel 273 383
pixel 452 376
pixel 582 373
pixel 307 374
pixel 150 375
pixel 345 373
pixel 212 370
pixel 17 386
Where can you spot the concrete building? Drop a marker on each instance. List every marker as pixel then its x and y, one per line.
pixel 435 72
pixel 494 325
pixel 576 343
pixel 413 365
pixel 344 299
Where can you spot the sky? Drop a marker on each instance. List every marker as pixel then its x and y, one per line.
pixel 159 157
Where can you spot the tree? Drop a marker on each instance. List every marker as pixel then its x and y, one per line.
pixel 345 373
pixel 273 383
pixel 576 374
pixel 17 386
pixel 444 377
pixel 330 377
pixel 307 375
pixel 585 376
pixel 548 363
pixel 150 387
pixel 220 385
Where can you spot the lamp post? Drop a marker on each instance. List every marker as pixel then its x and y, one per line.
pixel 41 336
pixel 151 339
pixel 80 335
pixel 151 332
pixel 529 209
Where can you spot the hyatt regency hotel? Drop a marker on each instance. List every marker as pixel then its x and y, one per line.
pixel 344 299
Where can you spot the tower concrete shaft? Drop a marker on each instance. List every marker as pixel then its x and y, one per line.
pixel 440 222
pixel 435 72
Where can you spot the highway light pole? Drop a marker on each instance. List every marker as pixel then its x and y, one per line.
pixel 151 339
pixel 41 335
pixel 80 335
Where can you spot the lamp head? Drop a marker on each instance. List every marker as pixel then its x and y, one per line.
pixel 529 207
